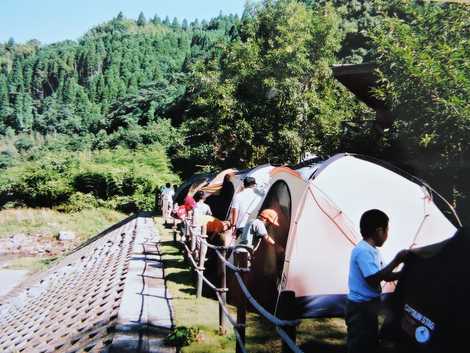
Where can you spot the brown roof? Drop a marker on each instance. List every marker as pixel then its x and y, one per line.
pixel 360 79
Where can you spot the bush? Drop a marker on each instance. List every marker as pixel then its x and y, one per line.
pixel 182 336
pixel 78 202
pixel 100 184
pixel 24 144
pixel 6 160
pixel 41 183
pixel 120 179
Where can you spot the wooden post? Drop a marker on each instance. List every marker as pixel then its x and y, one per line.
pixel 184 239
pixel 242 262
pixel 175 231
pixel 287 310
pixel 223 285
pixel 202 259
pixel 185 231
pixel 193 240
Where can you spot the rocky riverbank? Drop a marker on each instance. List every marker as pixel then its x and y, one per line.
pixel 42 245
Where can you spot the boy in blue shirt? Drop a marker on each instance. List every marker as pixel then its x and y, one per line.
pixel 366 272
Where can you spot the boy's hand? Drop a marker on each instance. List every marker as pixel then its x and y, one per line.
pixel 279 249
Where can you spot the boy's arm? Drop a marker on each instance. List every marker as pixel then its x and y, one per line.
pixel 269 239
pixel 262 232
pixel 233 216
pixel 234 211
pixel 394 276
pixel 387 274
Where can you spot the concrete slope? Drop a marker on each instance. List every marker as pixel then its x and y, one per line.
pixel 108 296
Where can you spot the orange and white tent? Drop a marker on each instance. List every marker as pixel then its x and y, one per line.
pixel 319 208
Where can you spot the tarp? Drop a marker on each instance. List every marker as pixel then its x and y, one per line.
pixel 191 185
pixel 429 310
pixel 216 184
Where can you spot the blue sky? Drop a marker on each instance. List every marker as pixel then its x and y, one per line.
pixel 54 20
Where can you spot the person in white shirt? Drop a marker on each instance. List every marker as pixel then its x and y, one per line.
pixel 243 204
pixel 167 202
pixel 201 208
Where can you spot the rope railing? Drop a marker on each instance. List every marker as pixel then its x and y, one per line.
pixel 242 255
pixel 267 315
pixel 236 326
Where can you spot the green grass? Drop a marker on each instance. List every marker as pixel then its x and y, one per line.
pixel 32 264
pixel 323 335
pixel 190 311
pixel 313 335
pixel 47 222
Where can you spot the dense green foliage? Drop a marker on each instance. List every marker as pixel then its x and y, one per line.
pixel 423 53
pixel 271 95
pixel 236 92
pixel 121 179
pixel 76 87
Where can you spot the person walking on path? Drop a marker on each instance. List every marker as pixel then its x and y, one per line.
pixel 366 272
pixel 167 202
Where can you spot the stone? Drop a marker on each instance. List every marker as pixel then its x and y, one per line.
pixel 66 235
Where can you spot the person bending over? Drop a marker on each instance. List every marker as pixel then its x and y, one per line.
pixel 256 230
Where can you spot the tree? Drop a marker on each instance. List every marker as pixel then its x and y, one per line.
pixel 4 97
pixel 10 45
pixel 195 23
pixel 156 20
pixel 271 95
pixel 184 25
pixel 420 49
pixel 141 21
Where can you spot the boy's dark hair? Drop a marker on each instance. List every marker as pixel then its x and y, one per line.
pixel 371 220
pixel 249 181
pixel 198 195
pixel 167 185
